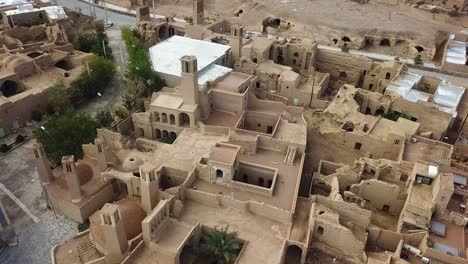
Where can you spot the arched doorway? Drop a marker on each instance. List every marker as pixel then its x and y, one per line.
pixel 293 254
pixel 164 118
pixel 385 43
pixel 165 134
pixel 173 136
pixel 172 119
pixel 380 111
pixel 9 88
pixel 157 134
pixel 184 120
pixel 346 39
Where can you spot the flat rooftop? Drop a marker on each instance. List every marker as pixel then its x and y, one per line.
pixel 232 82
pixel 165 57
pixel 402 127
pixel 284 189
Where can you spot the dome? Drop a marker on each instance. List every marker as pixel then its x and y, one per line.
pixel 83 170
pixel 131 164
pixel 132 216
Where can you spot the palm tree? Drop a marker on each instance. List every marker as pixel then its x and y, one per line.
pixel 222 246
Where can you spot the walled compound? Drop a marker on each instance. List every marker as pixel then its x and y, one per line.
pixel 310 155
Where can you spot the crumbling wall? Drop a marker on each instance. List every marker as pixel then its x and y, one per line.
pixel 381 195
pixel 344 66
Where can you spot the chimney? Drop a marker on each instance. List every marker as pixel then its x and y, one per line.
pixel 189 83
pixel 237 34
pixel 42 164
pixel 114 232
pixel 101 154
pixel 198 12
pixel 149 188
pixel 73 182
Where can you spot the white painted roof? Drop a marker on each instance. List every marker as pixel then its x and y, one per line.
pixel 165 56
pixel 447 96
pixel 52 12
pixel 5 3
pixel 55 12
pixel 456 53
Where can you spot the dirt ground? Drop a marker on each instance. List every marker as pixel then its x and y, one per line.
pixel 317 18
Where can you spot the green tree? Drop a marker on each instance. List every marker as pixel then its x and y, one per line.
pixel 93 42
pixel 94 81
pixel 222 246
pixel 104 118
pixel 133 98
pixel 121 112
pixel 59 99
pixel 65 134
pixel 140 67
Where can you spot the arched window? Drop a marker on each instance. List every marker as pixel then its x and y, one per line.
pixel 172 119
pixel 387 76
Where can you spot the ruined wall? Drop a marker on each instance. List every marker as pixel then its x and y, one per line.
pixel 346 210
pixel 350 67
pixel 376 147
pixel 381 195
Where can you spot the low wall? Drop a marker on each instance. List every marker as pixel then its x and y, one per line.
pixel 262 209
pixel 83 212
pixel 213 129
pixel 346 210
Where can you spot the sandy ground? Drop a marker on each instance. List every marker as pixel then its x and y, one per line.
pixel 317 18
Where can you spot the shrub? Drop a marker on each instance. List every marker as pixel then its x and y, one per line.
pixel 19 139
pixel 188 19
pixel 345 48
pixel 4 148
pixel 36 116
pixel 221 245
pixel 59 99
pixel 83 226
pixel 92 43
pixel 90 83
pixel 418 60
pixel 121 112
pixel 104 118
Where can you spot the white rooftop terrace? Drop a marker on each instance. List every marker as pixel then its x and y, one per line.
pixel 6 3
pixel 165 57
pixel 456 53
pixel 447 96
pixel 53 12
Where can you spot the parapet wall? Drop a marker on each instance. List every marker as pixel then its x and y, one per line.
pixel 249 206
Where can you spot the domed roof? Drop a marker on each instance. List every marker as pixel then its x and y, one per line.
pixel 83 170
pixel 132 216
pixel 131 164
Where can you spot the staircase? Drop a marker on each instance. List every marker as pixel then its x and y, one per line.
pixel 290 155
pixel 87 251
